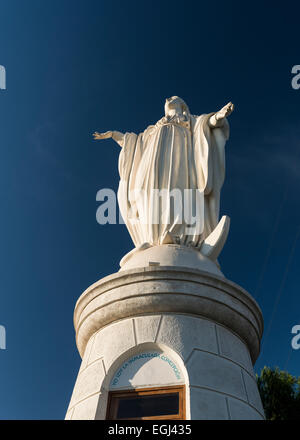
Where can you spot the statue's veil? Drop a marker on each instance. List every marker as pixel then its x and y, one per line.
pixel 184 107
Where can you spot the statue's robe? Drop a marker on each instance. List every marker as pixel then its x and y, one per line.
pixel 177 153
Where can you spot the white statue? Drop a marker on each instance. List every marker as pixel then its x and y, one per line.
pixel 181 151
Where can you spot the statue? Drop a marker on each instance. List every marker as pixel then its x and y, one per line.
pixel 180 152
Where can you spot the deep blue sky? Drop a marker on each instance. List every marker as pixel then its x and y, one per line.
pixel 74 67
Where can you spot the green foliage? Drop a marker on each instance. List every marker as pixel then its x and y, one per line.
pixel 280 394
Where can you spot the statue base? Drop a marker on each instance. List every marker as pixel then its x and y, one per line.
pixel 169 255
pixel 156 327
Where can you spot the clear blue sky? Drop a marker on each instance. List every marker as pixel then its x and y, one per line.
pixel 74 67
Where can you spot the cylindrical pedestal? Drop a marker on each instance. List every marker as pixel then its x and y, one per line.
pixel 164 326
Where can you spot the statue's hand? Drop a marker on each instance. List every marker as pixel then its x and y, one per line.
pixel 225 111
pixel 106 135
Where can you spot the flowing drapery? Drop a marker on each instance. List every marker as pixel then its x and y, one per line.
pixel 179 154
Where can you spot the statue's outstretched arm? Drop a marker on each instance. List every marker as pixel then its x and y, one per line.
pixel 115 135
pixel 217 120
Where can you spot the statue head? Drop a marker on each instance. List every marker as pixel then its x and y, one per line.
pixel 176 105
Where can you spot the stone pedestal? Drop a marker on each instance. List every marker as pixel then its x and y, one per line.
pixel 168 325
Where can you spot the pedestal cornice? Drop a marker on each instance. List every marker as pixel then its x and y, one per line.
pixel 168 289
